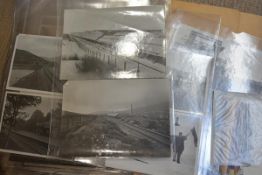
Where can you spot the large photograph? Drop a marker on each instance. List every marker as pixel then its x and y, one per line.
pixel 112 44
pixel 35 65
pixel 25 122
pixel 115 117
pixel 186 143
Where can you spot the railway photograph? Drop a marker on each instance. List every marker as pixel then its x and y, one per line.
pixel 36 63
pixel 25 125
pixel 106 49
pixel 115 118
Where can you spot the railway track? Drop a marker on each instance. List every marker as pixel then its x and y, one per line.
pixel 152 135
pixel 81 42
pixel 28 144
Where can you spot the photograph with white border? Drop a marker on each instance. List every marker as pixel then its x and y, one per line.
pixel 113 43
pixel 115 118
pixel 26 122
pixel 35 64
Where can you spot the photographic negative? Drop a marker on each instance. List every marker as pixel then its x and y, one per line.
pixel 25 122
pixel 237 134
pixel 35 64
pixel 115 118
pixel 185 143
pixel 113 44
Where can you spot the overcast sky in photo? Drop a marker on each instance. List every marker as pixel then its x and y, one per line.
pixel 99 96
pixel 45 47
pixel 150 18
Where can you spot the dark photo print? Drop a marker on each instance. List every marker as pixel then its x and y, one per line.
pixel 35 65
pixel 26 122
pixel 116 118
pixel 98 47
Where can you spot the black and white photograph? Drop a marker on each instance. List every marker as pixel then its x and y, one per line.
pixel 190 58
pixel 35 64
pixel 184 155
pixel 115 118
pixel 113 44
pixel 186 143
pixel 26 120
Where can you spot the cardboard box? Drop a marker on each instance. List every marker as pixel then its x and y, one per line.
pixel 231 18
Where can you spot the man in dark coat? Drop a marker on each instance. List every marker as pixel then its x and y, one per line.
pixel 179 146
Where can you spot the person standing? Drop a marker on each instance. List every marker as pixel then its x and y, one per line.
pixel 179 146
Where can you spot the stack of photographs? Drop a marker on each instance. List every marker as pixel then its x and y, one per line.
pixel 116 100
pixel 33 97
pixel 99 90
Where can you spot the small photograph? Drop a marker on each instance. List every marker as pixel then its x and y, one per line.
pixel 185 143
pixel 115 118
pixel 36 63
pixel 112 44
pixel 25 125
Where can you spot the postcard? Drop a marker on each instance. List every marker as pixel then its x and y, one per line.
pixel 26 121
pixel 35 65
pixel 113 44
pixel 116 118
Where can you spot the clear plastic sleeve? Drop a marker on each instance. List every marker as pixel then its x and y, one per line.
pixel 191 55
pixel 192 43
pixel 237 134
pixel 31 110
pixel 237 103
pixel 238 66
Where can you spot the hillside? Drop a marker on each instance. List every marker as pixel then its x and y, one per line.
pixel 27 60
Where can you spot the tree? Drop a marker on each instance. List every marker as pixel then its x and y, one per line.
pixel 14 103
pixel 31 125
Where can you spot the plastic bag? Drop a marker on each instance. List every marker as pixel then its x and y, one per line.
pixel 191 55
pixel 35 108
